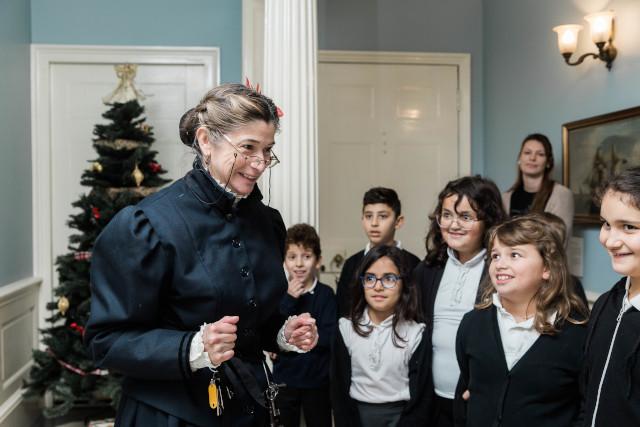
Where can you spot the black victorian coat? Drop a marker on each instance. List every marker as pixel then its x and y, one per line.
pixel 186 255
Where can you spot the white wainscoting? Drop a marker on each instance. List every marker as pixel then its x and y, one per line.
pixel 18 336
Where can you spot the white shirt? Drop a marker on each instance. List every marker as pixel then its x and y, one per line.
pixel 456 296
pixel 380 370
pixel 517 338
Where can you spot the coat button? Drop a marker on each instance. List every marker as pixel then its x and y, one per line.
pixel 253 303
pixel 229 216
pixel 244 271
pixel 247 332
pixel 249 409
pixel 235 243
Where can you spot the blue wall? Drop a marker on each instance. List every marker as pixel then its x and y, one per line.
pixel 529 88
pixel 202 23
pixel 411 26
pixel 15 142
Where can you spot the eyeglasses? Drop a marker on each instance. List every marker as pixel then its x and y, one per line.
pixel 255 161
pixel 465 221
pixel 388 281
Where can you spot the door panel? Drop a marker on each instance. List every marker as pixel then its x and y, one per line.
pixel 392 125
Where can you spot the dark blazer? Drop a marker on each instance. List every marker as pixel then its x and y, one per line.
pixel 348 278
pixel 186 255
pixel 345 409
pixel 542 388
pixel 620 396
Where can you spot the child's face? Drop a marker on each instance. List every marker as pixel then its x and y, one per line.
pixel 620 233
pixel 301 263
pixel 380 300
pixel 517 272
pixel 464 237
pixel 380 223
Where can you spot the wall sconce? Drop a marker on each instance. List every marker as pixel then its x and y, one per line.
pixel 601 33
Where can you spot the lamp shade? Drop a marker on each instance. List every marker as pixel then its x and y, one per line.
pixel 601 26
pixel 567 37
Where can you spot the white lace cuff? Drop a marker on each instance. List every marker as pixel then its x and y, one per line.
pixel 282 341
pixel 198 358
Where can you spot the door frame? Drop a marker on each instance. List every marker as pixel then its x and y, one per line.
pixel 43 56
pixel 460 60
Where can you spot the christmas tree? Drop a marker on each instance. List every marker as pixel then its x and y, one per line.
pixel 123 174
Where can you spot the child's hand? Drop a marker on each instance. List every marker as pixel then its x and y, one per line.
pixel 296 287
pixel 466 395
pixel 302 332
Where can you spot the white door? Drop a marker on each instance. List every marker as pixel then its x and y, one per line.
pixel 77 92
pixel 390 125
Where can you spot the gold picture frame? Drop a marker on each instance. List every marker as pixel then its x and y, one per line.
pixel 593 150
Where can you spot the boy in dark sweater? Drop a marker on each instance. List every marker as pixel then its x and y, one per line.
pixel 381 217
pixel 306 375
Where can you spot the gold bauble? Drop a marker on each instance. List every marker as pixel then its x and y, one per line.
pixel 137 175
pixel 63 305
pixel 96 167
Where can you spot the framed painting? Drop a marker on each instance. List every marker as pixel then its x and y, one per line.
pixel 595 149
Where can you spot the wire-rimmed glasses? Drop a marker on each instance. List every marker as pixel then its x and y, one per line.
pixel 388 281
pixel 255 161
pixel 465 220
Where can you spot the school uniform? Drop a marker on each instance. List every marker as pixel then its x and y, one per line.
pixel 612 353
pixel 524 380
pixel 443 307
pixel 372 380
pixel 348 277
pixel 189 254
pixel 307 375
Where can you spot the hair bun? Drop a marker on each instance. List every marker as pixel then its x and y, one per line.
pixel 187 127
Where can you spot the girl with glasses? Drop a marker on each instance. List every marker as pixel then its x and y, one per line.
pixel 378 375
pixel 449 279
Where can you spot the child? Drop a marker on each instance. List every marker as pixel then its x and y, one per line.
pixel 306 375
pixel 612 358
pixel 381 217
pixel 448 279
pixel 520 350
pixel 377 371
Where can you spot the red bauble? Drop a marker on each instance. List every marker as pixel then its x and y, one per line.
pixel 95 212
pixel 155 167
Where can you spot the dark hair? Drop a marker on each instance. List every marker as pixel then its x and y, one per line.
pixel 187 127
pixel 407 307
pixel 555 294
pixel 305 236
pixel 626 182
pixel 542 196
pixel 483 196
pixel 387 196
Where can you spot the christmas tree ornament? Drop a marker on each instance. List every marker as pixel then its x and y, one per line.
pixel 95 212
pixel 63 305
pixel 96 167
pixel 77 327
pixel 145 128
pixel 137 175
pixel 155 167
pixel 126 90
pixel 82 256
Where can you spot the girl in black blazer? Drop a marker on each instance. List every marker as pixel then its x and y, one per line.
pixel 520 351
pixel 449 279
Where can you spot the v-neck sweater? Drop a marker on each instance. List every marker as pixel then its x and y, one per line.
pixel 541 389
